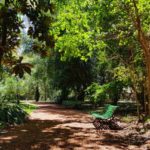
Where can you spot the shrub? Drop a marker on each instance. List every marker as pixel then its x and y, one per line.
pixel 97 93
pixel 11 114
pixel 72 103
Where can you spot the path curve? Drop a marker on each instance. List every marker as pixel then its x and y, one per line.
pixel 52 127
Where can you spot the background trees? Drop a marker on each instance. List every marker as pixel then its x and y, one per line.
pixel 96 47
pixel 113 30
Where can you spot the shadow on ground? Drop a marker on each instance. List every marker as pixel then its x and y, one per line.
pixel 54 127
pixel 37 134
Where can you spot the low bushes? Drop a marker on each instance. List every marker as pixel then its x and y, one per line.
pixel 11 114
pixel 96 93
pixel 72 103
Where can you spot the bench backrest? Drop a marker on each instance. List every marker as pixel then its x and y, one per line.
pixel 109 111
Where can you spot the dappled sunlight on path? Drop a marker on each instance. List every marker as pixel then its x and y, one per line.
pixel 54 127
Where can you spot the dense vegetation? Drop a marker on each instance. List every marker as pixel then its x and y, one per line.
pixel 81 51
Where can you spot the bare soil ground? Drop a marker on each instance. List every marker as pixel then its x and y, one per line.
pixel 52 127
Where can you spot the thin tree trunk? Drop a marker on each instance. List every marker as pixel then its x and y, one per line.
pixel 4 33
pixel 145 44
pixel 137 101
pixel 146 47
pixel 45 92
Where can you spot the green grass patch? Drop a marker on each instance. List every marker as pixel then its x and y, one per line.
pixel 148 119
pixel 27 107
pixel 128 118
pixel 90 110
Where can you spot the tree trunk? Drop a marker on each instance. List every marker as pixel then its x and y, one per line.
pixel 137 101
pixel 4 33
pixel 115 100
pixel 81 95
pixel 45 92
pixel 142 99
pixel 148 88
pixel 145 44
pixel 64 95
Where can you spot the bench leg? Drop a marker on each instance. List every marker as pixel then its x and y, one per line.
pixel 96 123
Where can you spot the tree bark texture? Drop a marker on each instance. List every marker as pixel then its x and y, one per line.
pixel 145 44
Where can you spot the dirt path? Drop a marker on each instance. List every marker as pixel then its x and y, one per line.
pixel 52 127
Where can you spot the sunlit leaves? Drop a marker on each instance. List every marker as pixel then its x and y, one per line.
pixel 72 31
pixel 122 74
pixel 97 93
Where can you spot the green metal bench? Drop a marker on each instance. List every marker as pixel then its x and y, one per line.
pixel 106 119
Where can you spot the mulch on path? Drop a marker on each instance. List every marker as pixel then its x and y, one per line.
pixel 52 127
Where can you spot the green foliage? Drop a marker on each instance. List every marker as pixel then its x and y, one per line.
pixel 8 89
pixel 27 107
pixel 97 93
pixel 108 91
pixel 40 76
pixel 12 88
pixel 11 113
pixel 122 74
pixel 80 42
pixel 103 33
pixel 72 75
pixel 73 31
pixel 72 103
